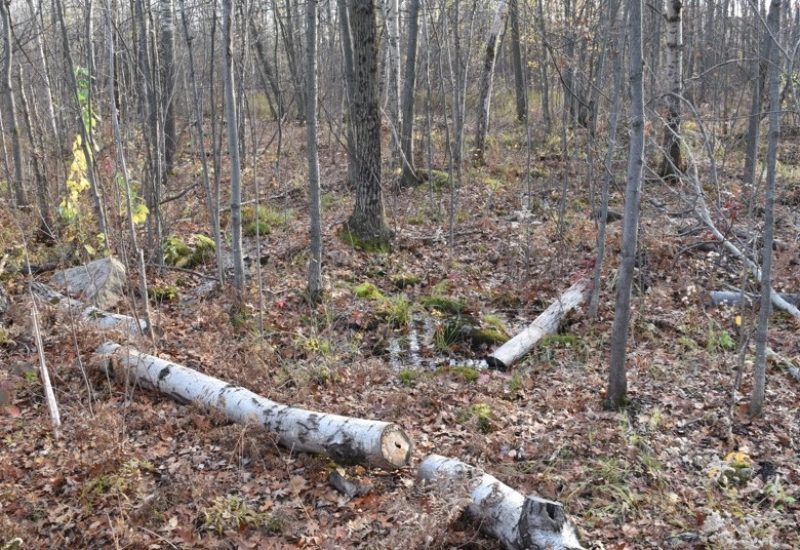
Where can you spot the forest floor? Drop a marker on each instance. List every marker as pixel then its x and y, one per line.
pixel 682 467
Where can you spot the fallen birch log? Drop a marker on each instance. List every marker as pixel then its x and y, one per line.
pixel 732 298
pixel 546 323
pixel 346 440
pixel 103 320
pixel 519 522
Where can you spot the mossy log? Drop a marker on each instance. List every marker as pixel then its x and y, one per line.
pixel 517 521
pixel 346 440
pixel 546 323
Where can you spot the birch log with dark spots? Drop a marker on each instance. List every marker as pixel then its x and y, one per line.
pixel 103 320
pixel 546 323
pixel 732 298
pixel 519 522
pixel 346 440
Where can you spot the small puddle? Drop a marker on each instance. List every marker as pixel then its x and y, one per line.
pixel 415 349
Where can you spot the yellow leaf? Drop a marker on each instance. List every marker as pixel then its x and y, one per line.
pixel 738 320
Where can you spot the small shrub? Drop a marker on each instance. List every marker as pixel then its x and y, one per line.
pixel 469 374
pixel 404 280
pixel 233 513
pixel 398 311
pixel 163 293
pixel 407 377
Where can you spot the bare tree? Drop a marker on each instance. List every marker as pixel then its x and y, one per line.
pixel 487 79
pixel 617 380
pixel 233 147
pixel 315 262
pixel 759 376
pixel 167 65
pixel 672 161
pixel 516 55
pixel 407 132
pixel 10 106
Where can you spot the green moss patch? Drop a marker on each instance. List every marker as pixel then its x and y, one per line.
pixel 367 245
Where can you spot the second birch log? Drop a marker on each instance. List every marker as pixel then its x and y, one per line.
pixel 98 318
pixel 346 440
pixel 546 323
pixel 519 522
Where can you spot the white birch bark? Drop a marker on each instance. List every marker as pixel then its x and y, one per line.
pixel 544 324
pixel 487 79
pixel 91 315
pixel 519 522
pixel 344 439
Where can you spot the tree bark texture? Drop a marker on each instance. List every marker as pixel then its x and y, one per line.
pixel 672 162
pixel 367 222
pixel 759 374
pixel 233 148
pixel 487 79
pixel 9 104
pixel 519 522
pixel 345 440
pixel 315 208
pixel 407 129
pixel 617 381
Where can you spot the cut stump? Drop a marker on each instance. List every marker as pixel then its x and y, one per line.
pixel 519 522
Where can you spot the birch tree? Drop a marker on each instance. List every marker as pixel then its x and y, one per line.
pixel 9 104
pixel 487 79
pixel 315 208
pixel 672 161
pixel 233 147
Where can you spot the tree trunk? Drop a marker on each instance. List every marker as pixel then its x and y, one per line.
pixel 391 11
pixel 345 440
pixel 672 162
pixel 546 323
pixel 487 80
pixel 349 80
pixel 8 103
pixel 519 522
pixel 759 76
pixel 167 64
pixel 200 139
pixel 367 222
pixel 759 371
pixel 617 381
pixel 315 208
pixel 233 148
pixel 42 198
pixel 45 73
pixel 516 54
pixel 410 176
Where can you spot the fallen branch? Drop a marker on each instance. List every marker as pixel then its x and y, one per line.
pixel 103 320
pixel 519 522
pixel 732 298
pixel 346 440
pixel 546 323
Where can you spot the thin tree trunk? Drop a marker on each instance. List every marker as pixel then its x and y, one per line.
pixel 315 208
pixel 233 147
pixel 672 161
pixel 407 133
pixel 167 63
pixel 543 67
pixel 45 73
pixel 759 373
pixel 349 80
pixel 197 112
pixel 46 224
pixel 516 54
pixel 594 298
pixel 487 80
pixel 8 102
pixel 85 127
pixel 391 11
pixel 617 381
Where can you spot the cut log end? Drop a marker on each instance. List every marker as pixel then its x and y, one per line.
pixel 395 446
pixel 495 363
